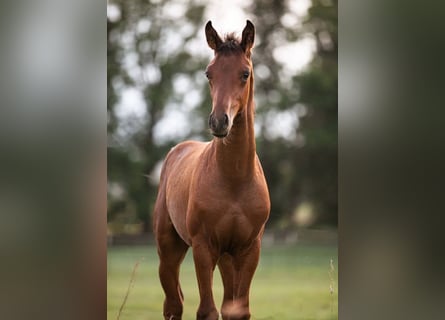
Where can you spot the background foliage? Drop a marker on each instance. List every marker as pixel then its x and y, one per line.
pixel 152 54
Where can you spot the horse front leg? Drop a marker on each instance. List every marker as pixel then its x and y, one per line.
pixel 205 262
pixel 225 265
pixel 245 263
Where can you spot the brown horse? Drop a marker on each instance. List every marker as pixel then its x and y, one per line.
pixel 213 196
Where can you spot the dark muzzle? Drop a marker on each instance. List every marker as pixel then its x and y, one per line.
pixel 219 125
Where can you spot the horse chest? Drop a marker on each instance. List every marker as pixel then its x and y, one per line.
pixel 240 199
pixel 228 216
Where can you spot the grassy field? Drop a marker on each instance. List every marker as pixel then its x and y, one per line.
pixel 291 282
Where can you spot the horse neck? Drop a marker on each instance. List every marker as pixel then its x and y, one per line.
pixel 235 154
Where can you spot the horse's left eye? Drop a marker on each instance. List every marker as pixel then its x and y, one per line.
pixel 245 75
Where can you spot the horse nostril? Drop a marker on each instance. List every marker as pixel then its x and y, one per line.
pixel 226 120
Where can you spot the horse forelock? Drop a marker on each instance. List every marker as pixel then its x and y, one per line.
pixel 231 44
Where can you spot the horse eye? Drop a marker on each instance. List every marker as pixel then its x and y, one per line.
pixel 246 75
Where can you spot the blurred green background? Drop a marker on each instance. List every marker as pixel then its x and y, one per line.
pixel 158 96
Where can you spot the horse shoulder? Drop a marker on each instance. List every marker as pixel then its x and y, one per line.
pixel 179 167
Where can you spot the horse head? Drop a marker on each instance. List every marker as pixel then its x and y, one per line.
pixel 230 75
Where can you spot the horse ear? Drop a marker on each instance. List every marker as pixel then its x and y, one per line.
pixel 248 37
pixel 213 39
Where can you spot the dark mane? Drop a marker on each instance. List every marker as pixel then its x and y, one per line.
pixel 231 44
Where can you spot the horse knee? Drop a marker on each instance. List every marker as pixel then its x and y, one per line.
pixel 235 311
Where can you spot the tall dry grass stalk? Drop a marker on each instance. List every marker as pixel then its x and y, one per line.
pixel 331 284
pixel 130 285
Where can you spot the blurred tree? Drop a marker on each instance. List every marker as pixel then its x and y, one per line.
pixel 303 168
pixel 319 93
pixel 139 56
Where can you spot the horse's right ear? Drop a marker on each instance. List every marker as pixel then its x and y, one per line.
pixel 213 39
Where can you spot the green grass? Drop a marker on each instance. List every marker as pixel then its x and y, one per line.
pixel 291 282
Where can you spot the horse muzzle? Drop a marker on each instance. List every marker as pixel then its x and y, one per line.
pixel 219 126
